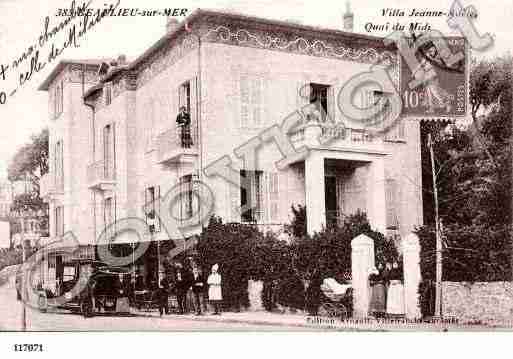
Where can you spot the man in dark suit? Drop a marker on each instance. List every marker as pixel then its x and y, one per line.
pixel 162 295
pixel 182 283
pixel 198 287
pixel 183 120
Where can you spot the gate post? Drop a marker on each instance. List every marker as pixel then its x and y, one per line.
pixel 362 260
pixel 412 276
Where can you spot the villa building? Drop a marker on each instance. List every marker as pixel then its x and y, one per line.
pixel 115 144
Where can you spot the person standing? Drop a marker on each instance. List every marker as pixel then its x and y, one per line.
pixel 395 296
pixel 162 297
pixel 198 287
pixel 214 289
pixel 183 120
pixel 378 292
pixel 182 283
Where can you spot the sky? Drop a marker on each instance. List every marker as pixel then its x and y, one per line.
pixel 21 23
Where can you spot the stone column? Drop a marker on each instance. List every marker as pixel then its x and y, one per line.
pixel 362 260
pixel 314 192
pixel 376 209
pixel 412 277
pixel 255 288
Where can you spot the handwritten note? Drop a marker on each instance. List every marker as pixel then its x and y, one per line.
pixel 50 45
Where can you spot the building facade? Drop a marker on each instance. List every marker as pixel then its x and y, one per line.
pixel 115 145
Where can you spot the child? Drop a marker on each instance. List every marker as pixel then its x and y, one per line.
pixel 214 291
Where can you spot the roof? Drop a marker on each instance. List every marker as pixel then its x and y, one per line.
pixel 62 64
pixel 196 14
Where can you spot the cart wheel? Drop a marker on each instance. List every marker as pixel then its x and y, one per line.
pixel 328 310
pixel 343 312
pixel 86 309
pixel 41 304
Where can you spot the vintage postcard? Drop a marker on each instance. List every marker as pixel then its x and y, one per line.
pixel 255 165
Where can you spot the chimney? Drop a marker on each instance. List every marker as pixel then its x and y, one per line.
pixel 171 24
pixel 121 59
pixel 348 18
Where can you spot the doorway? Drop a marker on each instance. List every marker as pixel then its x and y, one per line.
pixel 331 200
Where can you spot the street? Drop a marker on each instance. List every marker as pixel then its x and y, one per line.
pixel 11 313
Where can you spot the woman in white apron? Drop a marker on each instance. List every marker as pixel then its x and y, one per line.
pixel 395 295
pixel 215 295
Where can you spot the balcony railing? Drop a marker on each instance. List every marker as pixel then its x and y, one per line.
pixel 100 175
pixel 177 144
pixel 50 185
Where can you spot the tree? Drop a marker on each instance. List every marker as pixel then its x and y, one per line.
pixel 473 167
pixel 30 163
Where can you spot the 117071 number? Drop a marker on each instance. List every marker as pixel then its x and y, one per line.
pixel 28 347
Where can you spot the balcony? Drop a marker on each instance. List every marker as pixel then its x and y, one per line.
pixel 51 186
pixel 336 137
pixel 100 176
pixel 177 145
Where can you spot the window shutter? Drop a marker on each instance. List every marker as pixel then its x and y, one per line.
pixel 157 208
pixel 256 101
pixel 331 104
pixel 259 196
pixel 303 93
pixel 401 127
pixel 274 197
pixel 113 150
pixel 115 204
pixel 244 101
pixel 181 97
pixel 106 150
pixel 61 97
pixel 194 109
pixel 61 163
pixel 150 127
pixel 397 131
pixel 391 203
pixel 145 205
pixel 234 201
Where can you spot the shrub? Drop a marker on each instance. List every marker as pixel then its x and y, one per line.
pixel 469 253
pixel 228 245
pixel 297 226
pixel 328 253
pixel 291 291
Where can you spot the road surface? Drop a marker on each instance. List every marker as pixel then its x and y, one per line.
pixel 11 313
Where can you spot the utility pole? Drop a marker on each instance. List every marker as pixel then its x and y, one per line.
pixel 438 294
pixel 23 285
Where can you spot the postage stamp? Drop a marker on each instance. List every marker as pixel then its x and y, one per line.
pixel 444 94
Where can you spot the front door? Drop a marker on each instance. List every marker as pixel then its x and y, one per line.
pixel 330 200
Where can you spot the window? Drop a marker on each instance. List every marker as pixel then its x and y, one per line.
pixel 251 197
pixel 251 90
pixel 58 99
pixel 184 96
pixel 108 93
pixel 59 165
pixel 395 130
pixel 319 97
pixel 109 213
pixel 109 216
pixel 59 221
pixel 152 208
pixel 186 197
pixel 391 200
pixel 109 152
pixel 273 197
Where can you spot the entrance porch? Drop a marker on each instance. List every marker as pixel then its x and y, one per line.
pixel 339 183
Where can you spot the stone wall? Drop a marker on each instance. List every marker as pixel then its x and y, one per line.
pixel 480 301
